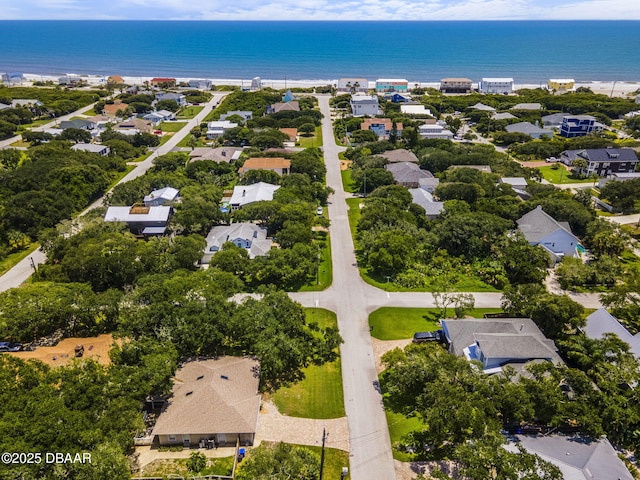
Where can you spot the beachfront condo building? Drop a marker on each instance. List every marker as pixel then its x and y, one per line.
pixel 496 85
pixel 392 85
pixel 456 85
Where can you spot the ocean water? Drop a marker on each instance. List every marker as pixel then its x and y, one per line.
pixel 528 51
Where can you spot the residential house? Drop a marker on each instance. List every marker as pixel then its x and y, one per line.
pixel 481 168
pixel 407 174
pixel 603 161
pixel 503 116
pixel 415 109
pixel 381 126
pixel 601 322
pixel 4 106
pixel 577 457
pixel 554 120
pixel 281 166
pixel 577 125
pixel 424 198
pixel 251 237
pixel 618 177
pixel 540 228
pixel 396 97
pixel 217 128
pixel 245 114
pixel 79 123
pixel 500 342
pixel 101 150
pixel 135 125
pixel 353 85
pixel 530 129
pixel 291 133
pixel 496 85
pixel 429 184
pixel 482 107
pixel 399 155
pixel 515 182
pixel 288 96
pixel 214 402
pixel 161 196
pixel 115 80
pixel 561 85
pixel 111 109
pixel 218 154
pixel 455 85
pixel 12 78
pixel 179 98
pixel 430 130
pixel 392 85
pixel 362 105
pixel 141 220
pixel 163 82
pixel 200 83
pixel 292 106
pixel 159 116
pixel 246 194
pixel 256 84
pixel 70 80
pixel 527 106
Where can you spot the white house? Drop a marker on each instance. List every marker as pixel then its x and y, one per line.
pixel 249 236
pixel 159 116
pixel 540 228
pixel 246 114
pixel 496 85
pixel 415 109
pixel 435 131
pixel 179 98
pixel 141 220
pixel 362 105
pixel 217 128
pixel 102 150
pixel 161 196
pixel 246 194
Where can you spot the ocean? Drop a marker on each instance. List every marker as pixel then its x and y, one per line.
pixel 528 51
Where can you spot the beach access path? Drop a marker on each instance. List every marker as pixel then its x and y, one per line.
pixel 23 269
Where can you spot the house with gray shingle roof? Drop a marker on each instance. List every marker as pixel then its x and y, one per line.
pixel 247 235
pixel 79 123
pixel 399 155
pixel 603 161
pixel 530 129
pixel 503 116
pixel 212 400
pixel 256 192
pixel 407 174
pixel 424 198
pixel 540 228
pixel 499 342
pixel 601 322
pixel 577 457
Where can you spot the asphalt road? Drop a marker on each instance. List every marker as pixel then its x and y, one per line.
pixel 23 270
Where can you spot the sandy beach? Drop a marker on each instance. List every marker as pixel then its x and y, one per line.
pixel 611 88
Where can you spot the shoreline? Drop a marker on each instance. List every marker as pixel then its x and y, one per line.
pixel 618 88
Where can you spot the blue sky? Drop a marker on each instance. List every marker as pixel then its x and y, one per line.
pixel 320 9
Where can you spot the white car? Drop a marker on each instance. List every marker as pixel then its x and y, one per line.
pixel 319 211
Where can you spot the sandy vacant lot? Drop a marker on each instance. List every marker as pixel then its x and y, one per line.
pixel 96 348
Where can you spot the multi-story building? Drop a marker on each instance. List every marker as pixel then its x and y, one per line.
pixel 365 105
pixel 496 85
pixel 456 85
pixel 577 125
pixel 392 85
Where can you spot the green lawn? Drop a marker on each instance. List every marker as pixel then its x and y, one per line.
pixel 400 426
pixel 347 182
pixel 319 394
pixel 190 112
pixel 561 175
pixel 354 214
pixel 314 141
pixel 396 323
pixel 12 259
pixel 324 272
pixel 172 126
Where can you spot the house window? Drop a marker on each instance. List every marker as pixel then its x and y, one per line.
pixel 172 438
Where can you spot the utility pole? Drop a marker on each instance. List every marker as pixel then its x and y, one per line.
pixel 324 438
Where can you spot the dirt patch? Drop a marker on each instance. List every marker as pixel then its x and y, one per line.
pixel 409 470
pixel 345 164
pixel 380 347
pixel 96 348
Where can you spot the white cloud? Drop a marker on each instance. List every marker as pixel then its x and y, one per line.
pixel 323 9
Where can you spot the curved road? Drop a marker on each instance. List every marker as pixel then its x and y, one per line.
pixel 23 269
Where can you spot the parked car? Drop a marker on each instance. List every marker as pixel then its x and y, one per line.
pixel 319 211
pixel 422 337
pixel 10 347
pixel 551 160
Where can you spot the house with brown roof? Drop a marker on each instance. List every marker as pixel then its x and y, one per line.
pixel 115 80
pixel 279 165
pixel 163 82
pixel 111 109
pixel 292 133
pixel 214 402
pixel 292 106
